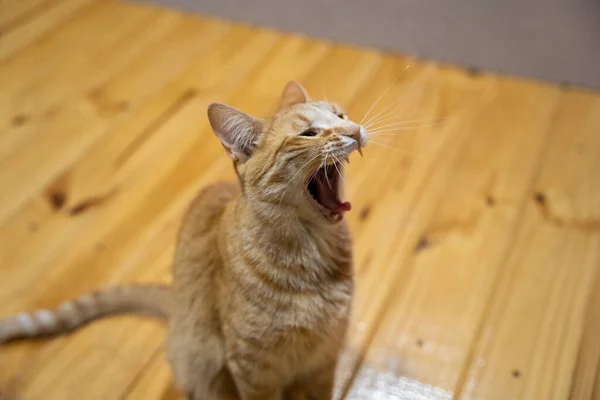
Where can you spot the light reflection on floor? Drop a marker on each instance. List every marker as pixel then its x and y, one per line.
pixel 374 384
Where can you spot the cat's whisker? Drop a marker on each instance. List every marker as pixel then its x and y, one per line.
pixel 400 129
pixel 385 112
pixel 338 171
pixel 308 162
pixel 343 161
pixel 312 176
pixel 324 95
pixel 393 134
pixel 391 115
pixel 383 94
pixel 401 123
pixel 397 132
pixel 389 112
pixel 389 119
pixel 299 171
pixel 326 176
pixel 391 148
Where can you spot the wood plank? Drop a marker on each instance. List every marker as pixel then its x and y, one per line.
pixel 15 13
pixel 98 173
pixel 156 382
pixel 529 340
pixel 70 64
pixel 51 118
pixel 133 88
pixel 586 375
pixel 388 184
pixel 443 280
pixel 55 13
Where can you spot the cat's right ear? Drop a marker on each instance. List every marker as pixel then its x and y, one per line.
pixel 237 131
pixel 293 93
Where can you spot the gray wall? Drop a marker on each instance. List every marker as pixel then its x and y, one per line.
pixel 555 40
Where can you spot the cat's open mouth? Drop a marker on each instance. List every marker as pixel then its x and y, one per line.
pixel 324 188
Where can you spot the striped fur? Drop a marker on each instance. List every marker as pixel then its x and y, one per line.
pixel 149 300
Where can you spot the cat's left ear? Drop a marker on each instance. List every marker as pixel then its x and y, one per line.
pixel 293 93
pixel 237 131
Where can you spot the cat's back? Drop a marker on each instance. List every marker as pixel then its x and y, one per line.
pixel 194 342
pixel 199 230
pixel 205 211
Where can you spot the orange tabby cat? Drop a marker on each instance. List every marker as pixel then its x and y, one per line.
pixel 263 276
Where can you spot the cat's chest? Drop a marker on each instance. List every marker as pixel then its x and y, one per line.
pixel 295 297
pixel 306 288
pixel 309 303
pixel 321 312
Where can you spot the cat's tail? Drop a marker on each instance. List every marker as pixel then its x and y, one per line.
pixel 153 300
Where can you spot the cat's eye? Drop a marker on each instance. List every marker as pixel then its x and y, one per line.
pixel 309 133
pixel 342 116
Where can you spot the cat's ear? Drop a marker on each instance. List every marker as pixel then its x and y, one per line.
pixel 293 93
pixel 237 131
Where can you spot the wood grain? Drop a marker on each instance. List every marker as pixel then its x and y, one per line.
pixel 530 337
pixel 476 223
pixel 15 14
pixel 36 21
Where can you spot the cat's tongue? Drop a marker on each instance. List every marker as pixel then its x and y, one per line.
pixel 328 197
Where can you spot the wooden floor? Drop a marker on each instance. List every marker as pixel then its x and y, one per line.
pixel 477 233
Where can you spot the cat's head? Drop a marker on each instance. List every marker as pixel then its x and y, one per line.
pixel 294 158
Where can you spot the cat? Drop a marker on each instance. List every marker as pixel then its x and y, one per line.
pixel 263 276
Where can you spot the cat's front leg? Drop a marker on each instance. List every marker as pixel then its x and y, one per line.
pixel 255 383
pixel 317 385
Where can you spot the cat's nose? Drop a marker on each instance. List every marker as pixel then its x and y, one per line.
pixel 354 133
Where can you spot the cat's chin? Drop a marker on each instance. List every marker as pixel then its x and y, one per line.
pixel 325 215
pixel 335 218
pixel 323 190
